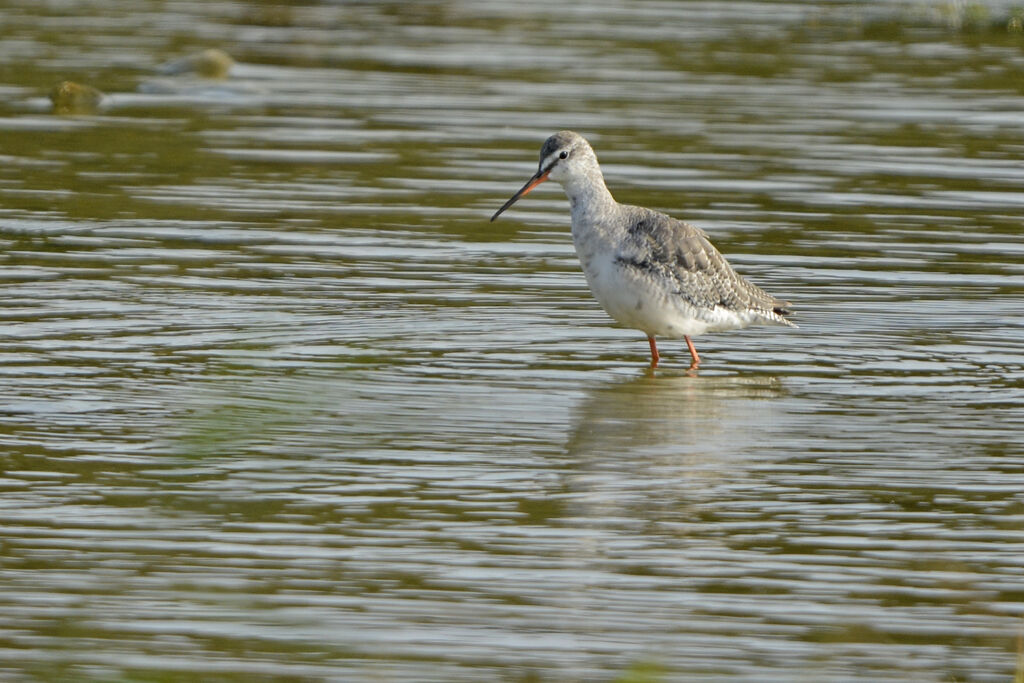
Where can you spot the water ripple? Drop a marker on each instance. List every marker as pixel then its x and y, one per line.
pixel 281 402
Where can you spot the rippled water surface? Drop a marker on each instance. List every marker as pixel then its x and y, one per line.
pixel 280 403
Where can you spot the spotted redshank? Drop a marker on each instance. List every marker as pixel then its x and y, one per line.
pixel 649 271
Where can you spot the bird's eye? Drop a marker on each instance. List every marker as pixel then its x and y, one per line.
pixel 563 154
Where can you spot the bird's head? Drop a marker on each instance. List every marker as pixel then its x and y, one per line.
pixel 563 155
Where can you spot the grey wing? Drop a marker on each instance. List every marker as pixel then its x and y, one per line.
pixel 684 255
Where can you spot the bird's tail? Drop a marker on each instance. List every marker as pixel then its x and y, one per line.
pixel 781 310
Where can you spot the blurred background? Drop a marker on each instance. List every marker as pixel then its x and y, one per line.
pixel 277 402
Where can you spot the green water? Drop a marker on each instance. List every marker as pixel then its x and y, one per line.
pixel 279 403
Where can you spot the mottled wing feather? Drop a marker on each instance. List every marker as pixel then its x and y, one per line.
pixel 682 254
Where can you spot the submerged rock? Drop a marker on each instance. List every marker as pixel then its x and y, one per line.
pixel 69 97
pixel 211 63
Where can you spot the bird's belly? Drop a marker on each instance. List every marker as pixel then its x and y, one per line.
pixel 641 302
pixel 644 301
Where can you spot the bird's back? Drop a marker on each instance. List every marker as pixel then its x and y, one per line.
pixel 682 255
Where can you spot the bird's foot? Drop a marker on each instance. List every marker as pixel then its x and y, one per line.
pixel 655 356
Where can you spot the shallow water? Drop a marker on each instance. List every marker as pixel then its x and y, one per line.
pixel 280 402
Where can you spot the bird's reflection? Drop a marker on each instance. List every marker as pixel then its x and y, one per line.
pixel 682 413
pixel 658 447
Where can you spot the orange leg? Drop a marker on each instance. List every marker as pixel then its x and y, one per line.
pixel 693 352
pixel 655 357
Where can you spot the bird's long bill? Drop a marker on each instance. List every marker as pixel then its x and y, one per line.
pixel 533 182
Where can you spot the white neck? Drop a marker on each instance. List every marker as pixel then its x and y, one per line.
pixel 589 197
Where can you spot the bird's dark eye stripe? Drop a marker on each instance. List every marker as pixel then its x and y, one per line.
pixel 563 154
